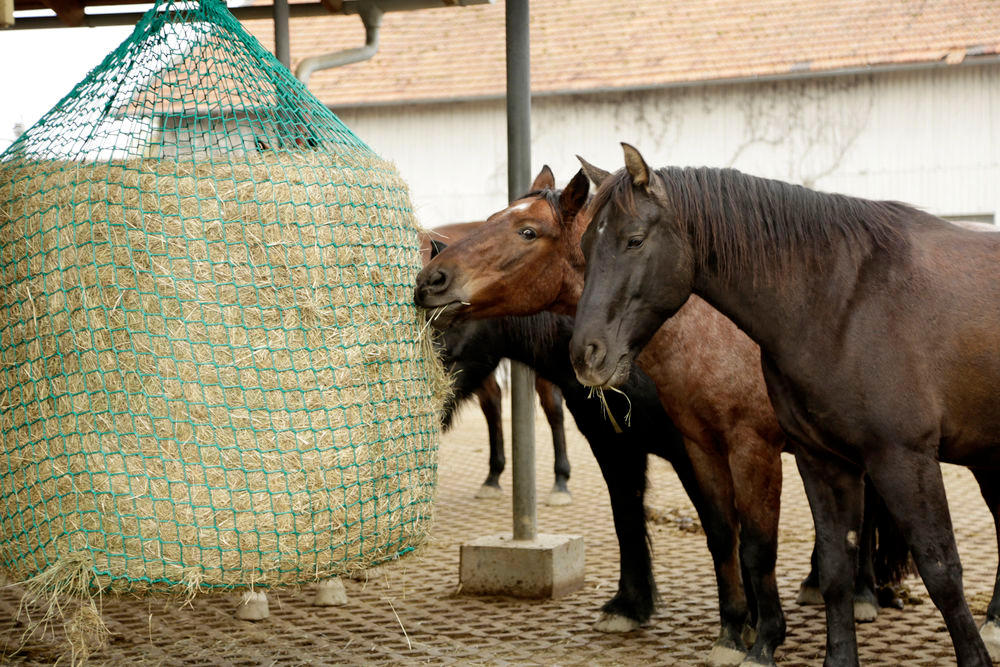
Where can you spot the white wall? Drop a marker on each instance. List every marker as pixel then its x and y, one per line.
pixel 927 137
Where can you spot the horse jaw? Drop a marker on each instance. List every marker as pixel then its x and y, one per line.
pixel 443 316
pixel 605 376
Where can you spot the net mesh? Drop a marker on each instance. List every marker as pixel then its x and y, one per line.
pixel 212 372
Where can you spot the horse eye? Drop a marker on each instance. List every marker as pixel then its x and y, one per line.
pixel 528 234
pixel 635 242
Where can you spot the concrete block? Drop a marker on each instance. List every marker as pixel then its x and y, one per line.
pixel 253 606
pixel 330 593
pixel 547 567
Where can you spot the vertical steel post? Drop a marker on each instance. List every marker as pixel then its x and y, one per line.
pixel 518 179
pixel 281 46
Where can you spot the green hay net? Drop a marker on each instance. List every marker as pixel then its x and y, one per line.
pixel 212 373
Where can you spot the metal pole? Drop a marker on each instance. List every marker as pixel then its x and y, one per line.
pixel 522 379
pixel 281 41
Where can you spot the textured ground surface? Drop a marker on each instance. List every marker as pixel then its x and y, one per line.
pixel 411 612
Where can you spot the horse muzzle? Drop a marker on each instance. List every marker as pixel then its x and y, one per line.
pixel 592 366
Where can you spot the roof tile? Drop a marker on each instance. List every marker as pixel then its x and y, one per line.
pixel 581 45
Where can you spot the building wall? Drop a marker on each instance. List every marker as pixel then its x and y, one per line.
pixel 928 137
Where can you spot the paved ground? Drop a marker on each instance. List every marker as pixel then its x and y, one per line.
pixel 411 612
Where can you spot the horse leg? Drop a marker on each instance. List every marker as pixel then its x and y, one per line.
pixel 624 472
pixel 835 493
pixel 809 593
pixel 913 490
pixel 756 471
pixel 865 602
pixel 489 401
pixel 990 631
pixel 890 554
pixel 706 477
pixel 552 404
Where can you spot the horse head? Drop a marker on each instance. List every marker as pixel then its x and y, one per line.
pixel 516 263
pixel 640 270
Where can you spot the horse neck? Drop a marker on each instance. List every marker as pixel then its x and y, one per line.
pixel 535 339
pixel 768 309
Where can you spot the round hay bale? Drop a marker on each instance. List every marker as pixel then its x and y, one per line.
pixel 212 372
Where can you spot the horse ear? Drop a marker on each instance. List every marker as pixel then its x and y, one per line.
pixel 596 174
pixel 545 179
pixel 437 247
pixel 574 196
pixel 636 166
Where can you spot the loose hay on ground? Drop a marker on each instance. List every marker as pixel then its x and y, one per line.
pixel 213 375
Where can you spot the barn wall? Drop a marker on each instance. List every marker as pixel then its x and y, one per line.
pixel 927 137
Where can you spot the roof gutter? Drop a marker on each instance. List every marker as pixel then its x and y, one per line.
pixel 793 75
pixel 371 17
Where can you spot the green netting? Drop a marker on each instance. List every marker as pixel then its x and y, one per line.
pixel 213 375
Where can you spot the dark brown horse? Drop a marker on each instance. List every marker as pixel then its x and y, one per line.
pixel 489 395
pixel 879 329
pixel 527 259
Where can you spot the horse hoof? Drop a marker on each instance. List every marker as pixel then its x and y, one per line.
pixel 865 611
pixel 990 632
pixel 725 654
pixel 557 498
pixel 808 596
pixel 487 491
pixel 615 623
pixel 330 593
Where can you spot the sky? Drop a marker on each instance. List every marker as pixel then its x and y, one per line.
pixel 41 66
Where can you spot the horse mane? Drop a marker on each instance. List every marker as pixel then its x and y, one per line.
pixel 740 223
pixel 537 332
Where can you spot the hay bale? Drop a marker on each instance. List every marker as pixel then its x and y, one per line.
pixel 212 373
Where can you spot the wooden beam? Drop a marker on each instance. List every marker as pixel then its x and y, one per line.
pixel 70 12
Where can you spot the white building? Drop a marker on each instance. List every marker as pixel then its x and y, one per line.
pixel 887 100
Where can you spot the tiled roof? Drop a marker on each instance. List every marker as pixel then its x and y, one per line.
pixel 583 45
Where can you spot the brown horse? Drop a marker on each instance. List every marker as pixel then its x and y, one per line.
pixel 879 329
pixel 489 396
pixel 526 259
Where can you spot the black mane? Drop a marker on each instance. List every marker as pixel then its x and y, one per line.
pixel 741 223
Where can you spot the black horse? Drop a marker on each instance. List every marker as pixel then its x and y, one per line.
pixel 878 325
pixel 473 350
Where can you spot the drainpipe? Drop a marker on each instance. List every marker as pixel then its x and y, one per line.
pixel 371 17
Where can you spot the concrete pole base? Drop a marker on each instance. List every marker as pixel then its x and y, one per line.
pixel 330 593
pixel 253 606
pixel 549 566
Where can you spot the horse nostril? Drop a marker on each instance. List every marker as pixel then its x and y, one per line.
pixel 437 281
pixel 594 354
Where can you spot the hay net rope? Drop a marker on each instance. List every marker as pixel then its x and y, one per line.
pixel 212 372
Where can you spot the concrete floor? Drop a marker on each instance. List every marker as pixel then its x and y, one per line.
pixel 411 611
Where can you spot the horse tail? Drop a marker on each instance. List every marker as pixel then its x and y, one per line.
pixel 891 558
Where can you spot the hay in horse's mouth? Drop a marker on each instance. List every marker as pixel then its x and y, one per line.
pixel 607 409
pixel 445 315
